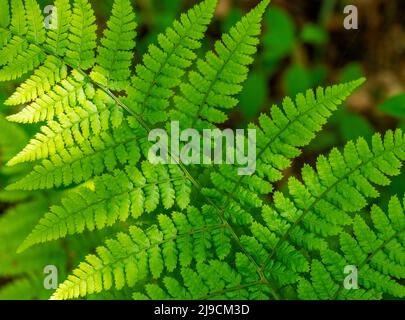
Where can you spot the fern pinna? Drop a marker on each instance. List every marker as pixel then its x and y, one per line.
pixel 189 232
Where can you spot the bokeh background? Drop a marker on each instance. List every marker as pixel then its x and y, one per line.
pixel 304 45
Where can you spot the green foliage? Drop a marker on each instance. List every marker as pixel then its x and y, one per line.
pixel 113 198
pixel 163 66
pixel 115 54
pixel 254 94
pixel 280 39
pixel 394 106
pixel 178 232
pixel 140 254
pixel 376 247
pixel 219 76
pixel 82 38
pixel 57 39
pixel 314 34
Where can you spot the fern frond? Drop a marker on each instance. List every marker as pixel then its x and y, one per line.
pixel 36 30
pixel 73 128
pixel 69 91
pixel 82 39
pixel 57 40
pixel 279 140
pixel 116 197
pixel 5 13
pixel 376 249
pixel 79 163
pixel 320 206
pixel 140 254
pixel 15 224
pixel 18 17
pixel 238 244
pixel 24 289
pixel 24 62
pixel 212 280
pixel 163 66
pixel 219 76
pixel 41 82
pixel 115 53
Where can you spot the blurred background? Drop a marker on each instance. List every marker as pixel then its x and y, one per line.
pixel 304 45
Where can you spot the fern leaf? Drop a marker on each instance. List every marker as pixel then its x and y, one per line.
pixel 82 39
pixel 114 198
pixel 319 207
pixel 220 75
pixel 79 163
pixel 18 17
pixel 57 40
pixel 115 54
pixel 74 127
pixel 36 30
pixel 214 280
pixel 279 140
pixel 69 91
pixel 376 249
pixel 137 255
pixel 164 66
pixel 41 82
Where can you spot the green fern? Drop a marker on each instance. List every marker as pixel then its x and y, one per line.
pixel 115 54
pixel 139 254
pixel 163 65
pixel 376 248
pixel 113 198
pixel 178 232
pixel 219 76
